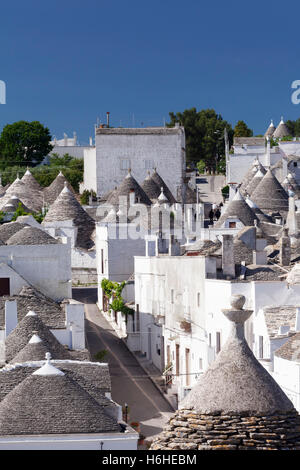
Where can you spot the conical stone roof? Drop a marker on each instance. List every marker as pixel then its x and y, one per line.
pixel 151 188
pixel 254 182
pixel 29 196
pixel 236 404
pixel 160 183
pixel 66 207
pixel 281 131
pixel 34 350
pixel 50 402
pixel 21 335
pixel 269 195
pixel 30 182
pixel 128 185
pixel 12 205
pixel 237 208
pixel 271 129
pixel 31 236
pixel 256 165
pixel 52 192
pixel 7 230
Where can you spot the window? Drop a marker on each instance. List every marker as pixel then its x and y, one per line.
pixel 149 164
pixel 4 286
pixel 198 299
pixel 177 359
pixel 124 164
pixel 218 342
pixel 209 340
pixel 200 363
pixel 232 224
pixel 295 164
pixel 172 296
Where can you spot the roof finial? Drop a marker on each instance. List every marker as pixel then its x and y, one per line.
pixel 237 315
pixel 48 357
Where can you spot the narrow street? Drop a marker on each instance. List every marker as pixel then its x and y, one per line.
pixel 130 384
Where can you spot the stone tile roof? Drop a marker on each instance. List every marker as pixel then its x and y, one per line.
pixel 57 404
pixel 151 188
pixel 66 207
pixel 21 335
pixel 160 183
pixel 52 192
pixel 94 376
pixel 31 236
pixel 140 131
pixel 249 141
pixel 128 185
pixel 238 208
pixel 12 205
pixel 30 197
pixel 270 195
pixel 203 247
pixel 50 312
pixel 33 351
pixel 291 349
pixel 30 182
pixel 254 182
pixel 236 403
pixel 262 273
pixel 256 165
pixel 7 230
pixel 284 315
pixel 271 129
pixel 281 131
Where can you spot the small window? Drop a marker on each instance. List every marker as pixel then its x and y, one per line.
pixel 198 299
pixel 232 224
pixel 149 165
pixel 172 296
pixel 209 340
pixel 261 347
pixel 125 164
pixel 200 363
pixel 102 261
pixel 295 164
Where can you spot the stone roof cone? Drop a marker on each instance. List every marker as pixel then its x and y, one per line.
pixel 256 165
pixel 34 350
pixel 50 402
pixel 66 207
pixel 236 404
pixel 282 130
pixel 239 208
pixel 271 129
pixel 29 180
pixel 22 334
pixel 151 188
pixel 128 185
pixel 269 195
pixel 160 182
pixel 52 192
pixel 258 176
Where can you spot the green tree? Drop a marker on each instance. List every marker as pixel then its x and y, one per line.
pixel 294 127
pixel 204 132
pixel 24 143
pixel 242 130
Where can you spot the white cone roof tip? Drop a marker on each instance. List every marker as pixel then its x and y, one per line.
pixel 238 196
pixel 259 174
pixel 14 197
pixel 35 339
pixel 162 196
pixel 48 369
pixel 27 172
pixel 66 189
pixel 290 176
pixel 271 123
pixel 31 313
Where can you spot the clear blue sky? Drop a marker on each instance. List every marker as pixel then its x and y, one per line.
pixel 66 63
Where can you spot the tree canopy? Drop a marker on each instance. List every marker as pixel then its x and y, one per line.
pixel 204 132
pixel 242 130
pixel 24 144
pixel 294 127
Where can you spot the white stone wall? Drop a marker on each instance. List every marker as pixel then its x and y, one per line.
pixel 90 173
pixel 45 267
pixel 141 152
pixel 287 374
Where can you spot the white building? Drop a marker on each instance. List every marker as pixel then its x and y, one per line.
pixel 70 146
pixel 141 149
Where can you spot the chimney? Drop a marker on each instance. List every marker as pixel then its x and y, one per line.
pixel 11 316
pixel 285 248
pixel 107 118
pixel 132 197
pixel 228 264
pixel 291 220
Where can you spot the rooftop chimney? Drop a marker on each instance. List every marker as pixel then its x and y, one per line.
pixel 107 118
pixel 285 248
pixel 228 264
